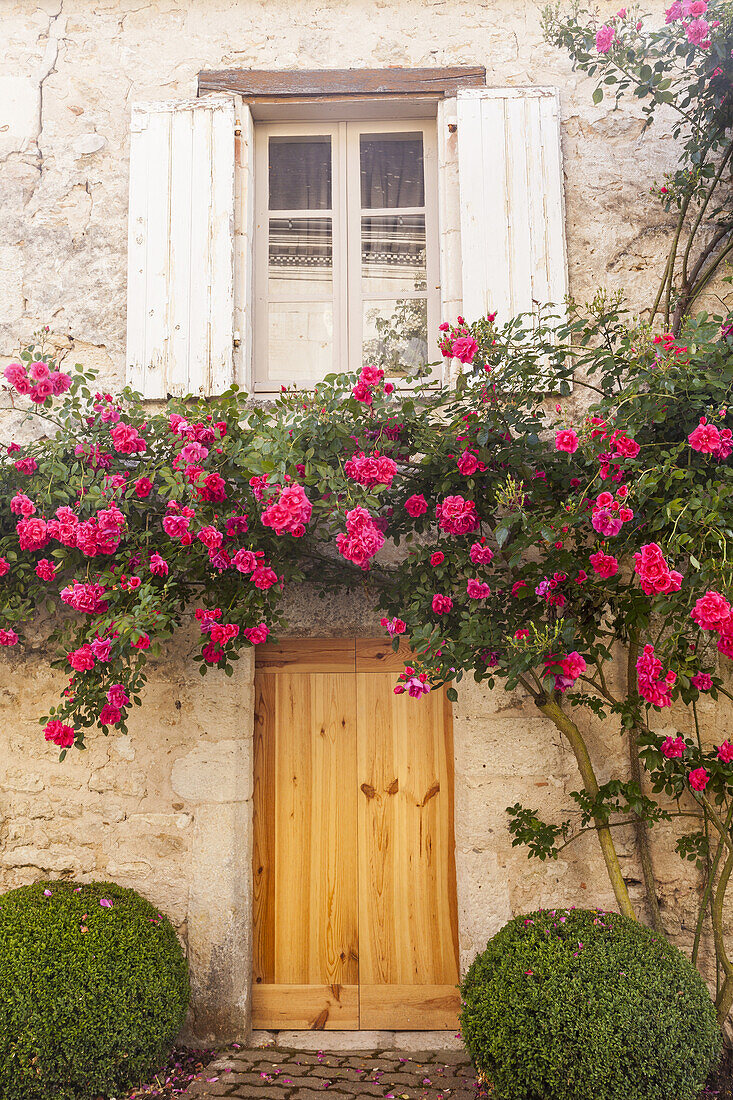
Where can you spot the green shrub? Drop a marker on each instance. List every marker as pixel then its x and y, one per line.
pixel 91 996
pixel 584 1005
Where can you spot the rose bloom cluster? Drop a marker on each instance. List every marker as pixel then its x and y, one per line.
pixel 674 748
pixel 709 440
pixel 290 512
pixel 654 574
pixel 713 612
pixel 369 470
pixel 654 687
pixel 609 515
pixel 571 667
pixel 457 342
pixel 39 382
pixel 369 379
pixel 457 516
pixel 362 539
pixel 415 684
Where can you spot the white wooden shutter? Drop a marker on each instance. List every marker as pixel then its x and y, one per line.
pixel 181 245
pixel 512 200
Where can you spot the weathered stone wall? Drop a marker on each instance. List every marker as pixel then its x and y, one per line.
pixel 167 809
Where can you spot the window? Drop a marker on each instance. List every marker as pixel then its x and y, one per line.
pixel 346 249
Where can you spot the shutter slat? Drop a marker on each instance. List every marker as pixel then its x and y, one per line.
pixel 181 247
pixel 202 274
pixel 180 257
pixel 511 191
pixel 156 259
pixel 520 251
pixel 137 250
pixel 221 247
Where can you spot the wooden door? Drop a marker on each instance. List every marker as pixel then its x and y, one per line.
pixel 355 919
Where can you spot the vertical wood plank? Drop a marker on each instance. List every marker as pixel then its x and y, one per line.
pixel 334 876
pixel 263 846
pixel 180 251
pixel 157 266
pixel 244 228
pixel 293 839
pixel 520 244
pixel 407 921
pixel 199 313
pixel 221 251
pixel 137 247
pixel 555 204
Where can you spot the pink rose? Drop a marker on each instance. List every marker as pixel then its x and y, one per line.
pixel 711 611
pixel 256 634
pixel 158 566
pixel 477 590
pixel 456 515
pixel 699 779
pixel 604 38
pixel 109 715
pixel 82 659
pixel 60 734
pixel 705 438
pixel 480 554
pixel 673 747
pixel 442 604
pixel 467 463
pixel 416 505
pixel 566 440
pixel 437 557
pixel 464 349
pixel 702 681
pixel 605 565
pixel 117 696
pixel 725 752
pixel 143 487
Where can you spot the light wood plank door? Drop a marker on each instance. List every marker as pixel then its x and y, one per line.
pixel 355 917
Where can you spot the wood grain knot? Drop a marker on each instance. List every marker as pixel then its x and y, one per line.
pixel 368 790
pixel 393 787
pixel 431 792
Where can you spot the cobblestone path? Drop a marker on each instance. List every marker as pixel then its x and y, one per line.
pixel 278 1073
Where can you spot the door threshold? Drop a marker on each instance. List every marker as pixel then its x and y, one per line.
pixel 332 1041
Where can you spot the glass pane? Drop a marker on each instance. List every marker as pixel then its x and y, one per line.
pixel 300 341
pixel 393 255
pixel 395 334
pixel 300 173
pixel 392 170
pixel 301 259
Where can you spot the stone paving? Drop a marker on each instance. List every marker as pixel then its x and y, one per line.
pixel 280 1073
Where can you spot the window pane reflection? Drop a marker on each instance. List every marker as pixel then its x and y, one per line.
pixel 393 255
pixel 395 335
pixel 300 258
pixel 300 173
pixel 391 170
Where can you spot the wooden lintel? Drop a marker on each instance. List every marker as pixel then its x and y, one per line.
pixel 287 83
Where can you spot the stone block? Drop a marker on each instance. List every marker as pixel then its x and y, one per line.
pixel 215 771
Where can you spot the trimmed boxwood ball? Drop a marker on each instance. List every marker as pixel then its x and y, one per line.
pixel 93 990
pixel 575 1004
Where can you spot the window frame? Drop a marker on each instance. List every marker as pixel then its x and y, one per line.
pixel 346 214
